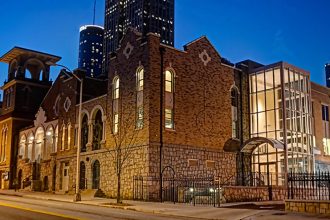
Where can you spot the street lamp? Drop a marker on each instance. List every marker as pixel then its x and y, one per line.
pixel 77 197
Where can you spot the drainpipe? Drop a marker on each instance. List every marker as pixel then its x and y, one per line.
pixel 161 51
pixel 241 122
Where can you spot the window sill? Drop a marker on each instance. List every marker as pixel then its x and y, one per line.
pixel 170 129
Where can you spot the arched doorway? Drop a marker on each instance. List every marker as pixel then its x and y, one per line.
pixel 96 174
pixel 266 166
pixel 19 179
pixel 54 179
pixel 82 182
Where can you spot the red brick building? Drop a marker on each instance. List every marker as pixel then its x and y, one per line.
pixel 183 113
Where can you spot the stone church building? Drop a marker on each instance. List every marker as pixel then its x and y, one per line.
pixel 160 112
pixel 157 104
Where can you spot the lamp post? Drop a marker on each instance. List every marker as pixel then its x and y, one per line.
pixel 77 197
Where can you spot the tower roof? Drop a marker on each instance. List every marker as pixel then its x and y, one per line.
pixel 18 51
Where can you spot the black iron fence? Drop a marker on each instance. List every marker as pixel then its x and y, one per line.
pixel 199 190
pixel 309 186
pixel 193 191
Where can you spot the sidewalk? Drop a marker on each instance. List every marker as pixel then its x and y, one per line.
pixel 185 210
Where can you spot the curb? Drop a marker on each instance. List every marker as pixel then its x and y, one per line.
pixel 129 208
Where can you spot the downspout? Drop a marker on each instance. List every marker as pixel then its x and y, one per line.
pixel 161 51
pixel 241 122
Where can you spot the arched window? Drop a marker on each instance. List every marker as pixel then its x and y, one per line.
pixel 3 145
pixel 169 97
pixel 82 182
pixel 22 143
pixel 115 92
pixel 139 98
pixel 56 139
pixel 63 137
pixel 169 81
pixel 96 174
pixel 139 79
pixel 234 113
pixel 49 142
pixel 84 133
pixel 69 136
pixel 97 131
pixel 30 143
pixel 115 104
pixel 39 140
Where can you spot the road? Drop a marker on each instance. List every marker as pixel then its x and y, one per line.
pixel 19 208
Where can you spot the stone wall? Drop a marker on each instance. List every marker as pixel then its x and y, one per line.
pixel 246 193
pixel 314 207
pixel 136 165
pixel 189 161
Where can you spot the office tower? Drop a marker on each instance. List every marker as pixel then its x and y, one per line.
pixel 155 16
pixel 327 74
pixel 91 49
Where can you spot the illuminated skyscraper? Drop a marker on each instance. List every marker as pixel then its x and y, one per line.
pixel 327 74
pixel 155 16
pixel 91 49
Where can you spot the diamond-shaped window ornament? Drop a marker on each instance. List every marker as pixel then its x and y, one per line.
pixel 205 57
pixel 67 104
pixel 128 50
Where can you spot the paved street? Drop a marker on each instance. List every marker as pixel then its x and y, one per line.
pixel 36 206
pixel 24 208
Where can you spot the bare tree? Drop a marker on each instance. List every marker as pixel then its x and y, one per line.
pixel 126 134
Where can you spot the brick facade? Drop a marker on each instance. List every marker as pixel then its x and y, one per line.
pixel 320 96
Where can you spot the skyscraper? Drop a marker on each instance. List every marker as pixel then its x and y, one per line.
pixel 155 16
pixel 327 74
pixel 91 49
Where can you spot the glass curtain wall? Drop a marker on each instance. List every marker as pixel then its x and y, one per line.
pixel 267 113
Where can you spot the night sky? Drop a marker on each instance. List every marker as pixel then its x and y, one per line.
pixel 267 31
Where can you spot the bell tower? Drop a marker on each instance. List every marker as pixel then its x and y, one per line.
pixel 26 86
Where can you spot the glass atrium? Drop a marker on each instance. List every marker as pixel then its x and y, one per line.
pixel 268 86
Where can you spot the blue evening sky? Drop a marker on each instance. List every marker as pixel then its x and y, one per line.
pixel 267 31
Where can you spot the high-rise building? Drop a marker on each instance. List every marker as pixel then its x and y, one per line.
pixel 327 74
pixel 155 16
pixel 91 49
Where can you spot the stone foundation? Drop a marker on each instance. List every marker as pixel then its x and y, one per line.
pixel 249 194
pixel 313 206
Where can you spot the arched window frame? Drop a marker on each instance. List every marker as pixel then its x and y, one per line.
pixel 30 141
pixel 69 136
pixel 39 141
pixel 96 172
pixel 49 142
pixel 4 137
pixel 169 94
pixel 97 130
pixel 84 133
pixel 63 137
pixel 22 144
pixel 139 97
pixel 140 79
pixel 234 111
pixel 169 81
pixel 56 140
pixel 116 88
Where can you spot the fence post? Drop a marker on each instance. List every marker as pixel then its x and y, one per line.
pixel 219 192
pixel 194 191
pixel 173 190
